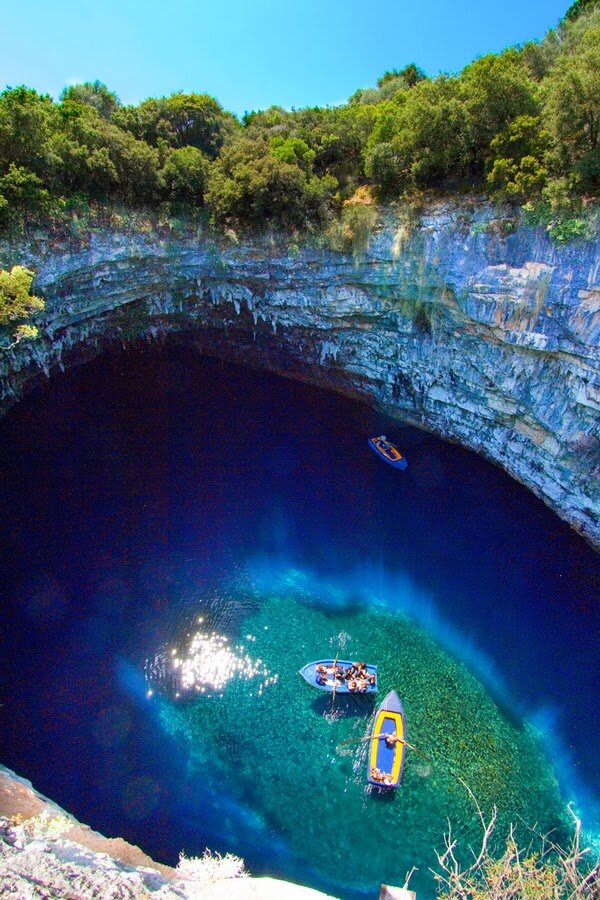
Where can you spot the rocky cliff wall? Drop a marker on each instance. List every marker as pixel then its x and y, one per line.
pixel 459 322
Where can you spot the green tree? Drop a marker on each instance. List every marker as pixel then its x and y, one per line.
pixel 515 167
pixel 184 174
pixel 181 120
pixel 95 157
pixel 292 150
pixel 22 192
pixel 94 94
pixel 572 110
pixel 26 333
pixel 410 75
pixel 25 125
pixel 16 303
pixel 494 91
pixel 426 138
pixel 579 8
pixel 338 137
pixel 261 121
pixel 540 56
pixel 251 186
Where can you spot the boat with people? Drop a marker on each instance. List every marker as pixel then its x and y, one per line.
pixel 387 744
pixel 341 676
pixel 388 451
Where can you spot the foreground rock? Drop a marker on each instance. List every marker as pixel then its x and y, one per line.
pixel 460 322
pixel 46 853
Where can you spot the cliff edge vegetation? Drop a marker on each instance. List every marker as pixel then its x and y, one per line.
pixel 522 126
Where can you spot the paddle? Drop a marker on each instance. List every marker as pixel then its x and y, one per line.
pixel 378 737
pixel 334 679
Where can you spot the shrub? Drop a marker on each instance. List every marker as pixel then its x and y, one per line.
pixel 15 300
pixel 17 304
pixel 544 870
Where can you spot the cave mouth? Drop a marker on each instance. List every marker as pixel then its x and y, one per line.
pixel 153 487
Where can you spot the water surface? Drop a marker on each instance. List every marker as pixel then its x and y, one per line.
pixel 181 535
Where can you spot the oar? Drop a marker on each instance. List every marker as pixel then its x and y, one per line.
pixel 378 737
pixel 334 679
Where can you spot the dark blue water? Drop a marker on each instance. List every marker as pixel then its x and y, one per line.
pixel 148 486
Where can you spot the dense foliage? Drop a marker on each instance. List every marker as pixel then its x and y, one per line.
pixel 522 125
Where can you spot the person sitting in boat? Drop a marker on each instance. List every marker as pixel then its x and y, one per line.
pixel 361 685
pixel 392 739
pixel 352 684
pixel 381 777
pixel 321 677
pixel 370 677
pixel 383 442
pixel 320 669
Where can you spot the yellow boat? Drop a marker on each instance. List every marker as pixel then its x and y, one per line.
pixel 388 744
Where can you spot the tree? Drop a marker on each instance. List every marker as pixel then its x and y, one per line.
pixel 95 157
pixel 426 138
pixel 571 110
pixel 338 137
pixel 94 94
pixel 579 7
pixel 292 150
pixel 274 117
pixel 16 303
pixel 544 870
pixel 251 186
pixel 515 167
pixel 25 125
pixel 494 91
pixel 21 191
pixel 181 120
pixel 185 174
pixel 410 75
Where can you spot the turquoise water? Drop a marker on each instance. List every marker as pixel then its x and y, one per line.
pixel 278 746
pixel 181 536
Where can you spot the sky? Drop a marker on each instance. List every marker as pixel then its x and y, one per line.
pixel 250 54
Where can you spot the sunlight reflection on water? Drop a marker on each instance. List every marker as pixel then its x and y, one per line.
pixel 204 662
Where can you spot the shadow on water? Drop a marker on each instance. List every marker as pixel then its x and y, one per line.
pixel 381 794
pixel 344 706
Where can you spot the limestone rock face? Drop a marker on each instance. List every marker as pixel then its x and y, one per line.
pixel 482 332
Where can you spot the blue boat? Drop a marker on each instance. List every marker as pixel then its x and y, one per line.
pixel 346 677
pixel 387 451
pixel 388 744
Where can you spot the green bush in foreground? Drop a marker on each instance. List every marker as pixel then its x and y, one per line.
pixel 16 303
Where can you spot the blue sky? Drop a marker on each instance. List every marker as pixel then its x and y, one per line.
pixel 252 53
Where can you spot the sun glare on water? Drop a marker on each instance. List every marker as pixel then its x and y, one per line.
pixel 204 664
